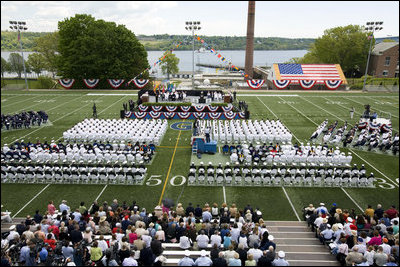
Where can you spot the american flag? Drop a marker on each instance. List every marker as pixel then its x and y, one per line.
pixel 308 72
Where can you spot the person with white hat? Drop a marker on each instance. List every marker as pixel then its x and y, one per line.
pixel 186 261
pixel 203 260
pixel 13 233
pixel 280 261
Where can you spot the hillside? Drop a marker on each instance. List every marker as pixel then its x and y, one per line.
pixel 9 42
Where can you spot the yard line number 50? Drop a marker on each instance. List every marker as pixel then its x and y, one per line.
pixel 177 180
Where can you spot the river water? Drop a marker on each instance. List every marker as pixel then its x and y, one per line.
pixel 237 57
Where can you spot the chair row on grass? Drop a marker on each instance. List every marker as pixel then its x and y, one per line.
pixel 280 176
pixel 74 174
pixel 89 130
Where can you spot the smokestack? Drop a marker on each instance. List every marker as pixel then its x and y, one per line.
pixel 248 69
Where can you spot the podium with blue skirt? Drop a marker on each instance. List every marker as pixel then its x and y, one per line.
pixel 200 146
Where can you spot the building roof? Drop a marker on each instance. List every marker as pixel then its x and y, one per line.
pixel 381 47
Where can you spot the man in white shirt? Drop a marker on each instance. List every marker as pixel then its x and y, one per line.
pixel 216 239
pixel 131 260
pixel 202 240
pixel 257 253
pixel 63 206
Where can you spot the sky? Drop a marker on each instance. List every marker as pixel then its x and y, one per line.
pixel 289 19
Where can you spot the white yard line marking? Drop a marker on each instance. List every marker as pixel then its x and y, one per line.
pixel 358 206
pixel 53 122
pixel 223 190
pixel 99 94
pixel 352 151
pixel 31 200
pixel 14 103
pixel 277 118
pixel 291 204
pixel 323 109
pixel 263 95
pixel 364 104
pixel 302 114
pixel 391 103
pixel 98 196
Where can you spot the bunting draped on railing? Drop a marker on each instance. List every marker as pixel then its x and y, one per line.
pixel 66 83
pixel 281 84
pixel 333 85
pixel 255 84
pixel 307 84
pixel 91 83
pixel 115 83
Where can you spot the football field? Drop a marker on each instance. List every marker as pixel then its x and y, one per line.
pixel 166 177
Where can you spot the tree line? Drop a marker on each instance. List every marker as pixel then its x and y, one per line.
pixel 162 42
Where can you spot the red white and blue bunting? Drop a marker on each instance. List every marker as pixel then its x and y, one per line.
pixel 374 126
pixel 242 115
pixel 66 83
pixel 362 125
pixel 91 83
pixel 140 83
pixel 281 84
pixel 199 108
pixel 214 116
pixel 230 115
pixel 307 84
pixel 333 84
pixel 115 83
pixel 255 84
pixel 143 108
pixel 212 109
pixel 199 115
pixel 184 115
pixel 128 114
pixel 140 115
pixel 185 108
pixel 227 109
pixel 171 108
pixel 157 108
pixel 387 127
pixel 169 115
pixel 155 115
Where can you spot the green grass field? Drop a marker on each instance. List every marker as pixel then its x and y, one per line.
pixel 167 175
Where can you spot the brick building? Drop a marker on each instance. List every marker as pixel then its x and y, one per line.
pixel 384 61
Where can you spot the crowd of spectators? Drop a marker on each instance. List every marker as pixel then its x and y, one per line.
pixel 370 238
pixel 123 233
pixel 23 119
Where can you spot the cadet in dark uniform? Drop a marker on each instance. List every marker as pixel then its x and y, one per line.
pixel 94 111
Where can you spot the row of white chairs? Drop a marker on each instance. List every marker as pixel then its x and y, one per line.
pixel 337 160
pixel 279 180
pixel 73 175
pixel 149 131
pixel 246 130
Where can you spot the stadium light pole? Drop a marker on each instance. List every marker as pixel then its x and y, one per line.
pixel 20 26
pixel 192 26
pixel 371 26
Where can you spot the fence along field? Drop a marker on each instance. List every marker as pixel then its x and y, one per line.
pixel 298 113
